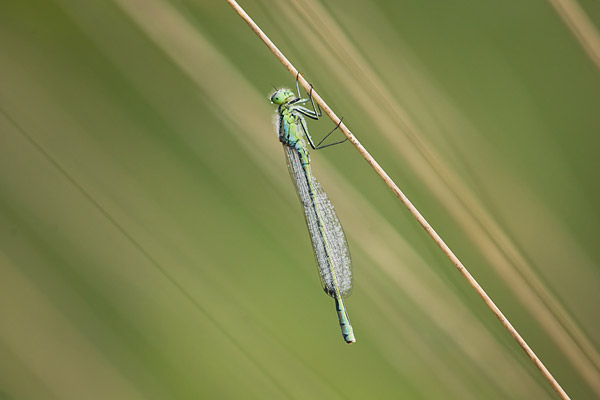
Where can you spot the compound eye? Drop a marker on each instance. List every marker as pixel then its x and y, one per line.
pixel 276 98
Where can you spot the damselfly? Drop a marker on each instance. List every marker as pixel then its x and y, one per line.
pixel 326 233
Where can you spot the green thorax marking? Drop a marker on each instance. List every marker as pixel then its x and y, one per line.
pixel 290 132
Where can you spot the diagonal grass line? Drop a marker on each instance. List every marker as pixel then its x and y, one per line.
pixel 580 25
pixel 149 257
pixel 564 331
pixel 412 209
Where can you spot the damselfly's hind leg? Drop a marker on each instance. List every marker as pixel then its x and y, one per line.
pixel 319 146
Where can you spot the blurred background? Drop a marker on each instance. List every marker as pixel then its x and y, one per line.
pixel 152 245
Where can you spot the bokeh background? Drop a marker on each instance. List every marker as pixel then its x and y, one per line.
pixel 152 245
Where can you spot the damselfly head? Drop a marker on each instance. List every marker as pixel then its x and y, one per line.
pixel 281 96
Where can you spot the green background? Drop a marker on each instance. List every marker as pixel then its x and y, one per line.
pixel 152 245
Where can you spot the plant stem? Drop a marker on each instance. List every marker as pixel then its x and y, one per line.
pixel 411 208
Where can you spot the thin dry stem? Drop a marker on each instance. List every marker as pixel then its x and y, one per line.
pixel 411 208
